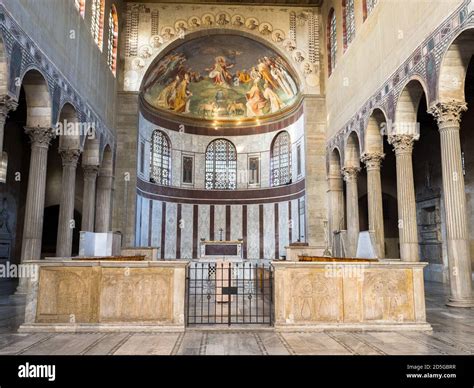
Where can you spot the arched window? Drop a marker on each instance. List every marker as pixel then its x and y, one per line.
pixel 160 168
pixel 348 22
pixel 112 39
pixel 281 159
pixel 332 42
pixel 97 22
pixel 80 6
pixel 368 6
pixel 221 165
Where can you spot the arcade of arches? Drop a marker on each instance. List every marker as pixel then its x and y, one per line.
pixel 326 125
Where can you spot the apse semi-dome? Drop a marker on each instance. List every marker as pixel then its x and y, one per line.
pixel 228 78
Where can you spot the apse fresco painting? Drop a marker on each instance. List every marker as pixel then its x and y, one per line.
pixel 221 77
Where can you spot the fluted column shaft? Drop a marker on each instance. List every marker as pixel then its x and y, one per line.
pixel 336 198
pixel 66 206
pixel 88 204
pixel 372 162
pixel 352 207
pixel 448 115
pixel 34 209
pixel 103 203
pixel 407 223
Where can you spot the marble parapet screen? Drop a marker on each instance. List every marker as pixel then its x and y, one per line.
pixel 384 295
pixel 150 253
pixel 294 251
pixel 106 296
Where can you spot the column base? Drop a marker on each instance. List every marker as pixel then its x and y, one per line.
pixel 460 302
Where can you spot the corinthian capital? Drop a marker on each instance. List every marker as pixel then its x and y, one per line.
pixel 70 157
pixel 350 173
pixel 402 143
pixel 40 136
pixel 448 113
pixel 372 160
pixel 7 104
pixel 90 171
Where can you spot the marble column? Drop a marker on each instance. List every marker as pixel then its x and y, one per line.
pixel 7 104
pixel 88 204
pixel 35 196
pixel 103 203
pixel 372 162
pixel 352 208
pixel 66 206
pixel 407 223
pixel 448 116
pixel 336 198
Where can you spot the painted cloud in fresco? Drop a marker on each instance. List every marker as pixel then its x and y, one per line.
pixel 221 77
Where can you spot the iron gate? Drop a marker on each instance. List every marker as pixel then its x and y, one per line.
pixel 229 293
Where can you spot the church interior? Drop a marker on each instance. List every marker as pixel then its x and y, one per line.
pixel 236 177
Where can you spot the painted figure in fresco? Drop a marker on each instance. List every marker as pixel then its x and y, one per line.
pixel 277 37
pixel 167 34
pixel 289 45
pixel 238 21
pixel 299 57
pixel 167 96
pixel 183 95
pixel 282 68
pixel 219 73
pixel 219 98
pixel 254 74
pixel 266 30
pixel 275 102
pixel 252 24
pixel 208 21
pixel 222 19
pixel 194 23
pixel 181 29
pixel 279 77
pixel 168 68
pixel 265 73
pixel 255 101
pixel 244 76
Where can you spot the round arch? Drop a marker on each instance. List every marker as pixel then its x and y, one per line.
pixel 38 99
pixel 352 150
pixel 453 68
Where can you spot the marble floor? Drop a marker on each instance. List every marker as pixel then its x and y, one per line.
pixel 453 334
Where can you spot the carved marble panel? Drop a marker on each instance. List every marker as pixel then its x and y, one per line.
pixel 68 295
pixel 136 294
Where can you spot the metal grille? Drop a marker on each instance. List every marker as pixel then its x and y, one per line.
pixel 229 293
pixel 221 165
pixel 97 21
pixel 160 158
pixel 281 159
